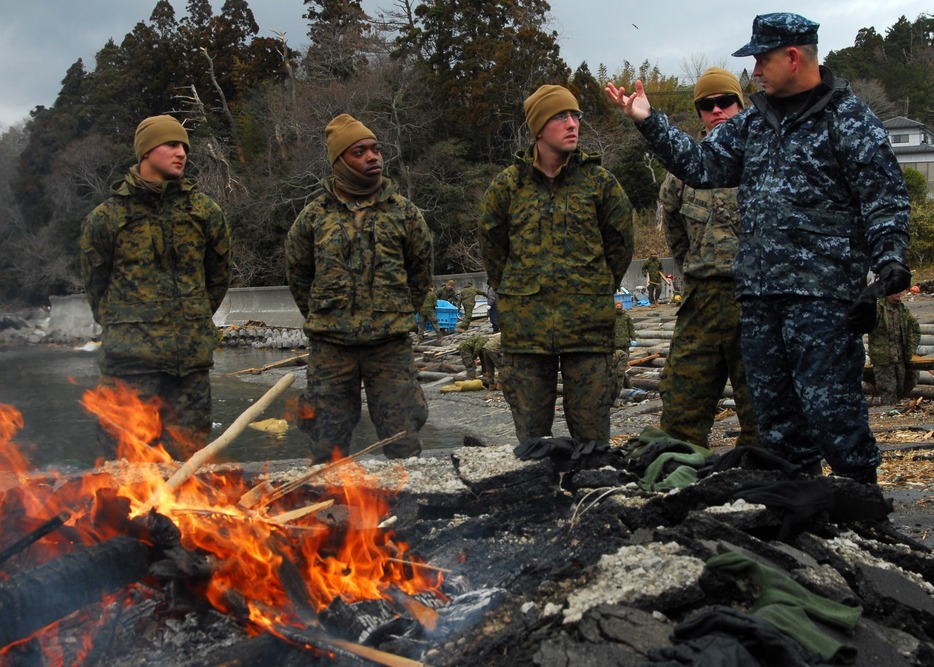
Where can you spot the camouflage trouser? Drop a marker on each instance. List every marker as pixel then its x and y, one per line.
pixel 805 370
pixel 530 386
pixel 469 361
pixel 184 409
pixel 621 371
pixel 489 362
pixel 423 321
pixel 468 315
pixel 655 290
pixel 705 352
pixel 893 382
pixel 331 404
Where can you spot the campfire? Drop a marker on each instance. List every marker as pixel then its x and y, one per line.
pixel 552 561
pixel 77 553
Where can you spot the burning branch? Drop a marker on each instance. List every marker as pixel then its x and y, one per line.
pixel 208 452
pixel 44 529
pixel 264 493
pixel 291 361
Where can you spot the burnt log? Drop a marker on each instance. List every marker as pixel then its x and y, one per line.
pixel 35 535
pixel 34 599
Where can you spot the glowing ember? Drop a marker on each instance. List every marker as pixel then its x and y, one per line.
pixel 248 549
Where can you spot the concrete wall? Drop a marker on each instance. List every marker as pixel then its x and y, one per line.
pixel 70 317
pixel 273 306
pixel 633 279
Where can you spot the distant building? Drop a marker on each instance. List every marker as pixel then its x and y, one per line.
pixel 913 143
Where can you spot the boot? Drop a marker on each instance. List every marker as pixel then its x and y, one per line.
pixel 863 476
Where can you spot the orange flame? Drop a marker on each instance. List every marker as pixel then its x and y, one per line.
pixel 353 558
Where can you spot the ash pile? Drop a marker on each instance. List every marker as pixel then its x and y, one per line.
pixel 650 553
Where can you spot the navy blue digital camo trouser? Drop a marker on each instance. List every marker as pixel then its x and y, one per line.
pixel 805 368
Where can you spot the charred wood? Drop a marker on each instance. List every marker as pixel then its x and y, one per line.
pixel 33 536
pixel 34 599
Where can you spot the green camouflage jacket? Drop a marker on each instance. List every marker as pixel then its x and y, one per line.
pixel 429 304
pixel 702 228
pixel 624 331
pixel 155 269
pixel 896 336
pixel 468 295
pixel 555 251
pixel 653 269
pixel 358 273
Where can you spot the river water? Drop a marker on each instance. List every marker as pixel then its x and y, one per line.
pixel 46 385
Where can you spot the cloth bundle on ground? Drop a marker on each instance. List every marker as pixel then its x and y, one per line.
pixel 662 462
pixel 792 608
pixel 558 448
pixel 727 637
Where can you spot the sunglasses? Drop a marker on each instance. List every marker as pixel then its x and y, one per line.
pixel 722 101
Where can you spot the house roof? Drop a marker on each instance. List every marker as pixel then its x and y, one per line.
pixel 902 123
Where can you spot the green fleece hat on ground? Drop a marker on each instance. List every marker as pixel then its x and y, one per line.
pixel 155 131
pixel 342 133
pixel 544 103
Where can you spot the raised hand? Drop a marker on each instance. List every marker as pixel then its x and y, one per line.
pixel 635 105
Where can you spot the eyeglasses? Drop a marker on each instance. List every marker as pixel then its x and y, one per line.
pixel 722 101
pixel 564 115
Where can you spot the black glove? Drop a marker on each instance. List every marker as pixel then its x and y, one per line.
pixel 895 277
pixel 588 448
pixel 861 316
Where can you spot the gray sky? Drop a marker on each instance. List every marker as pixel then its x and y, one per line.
pixel 40 39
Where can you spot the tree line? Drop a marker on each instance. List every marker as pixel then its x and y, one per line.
pixel 440 82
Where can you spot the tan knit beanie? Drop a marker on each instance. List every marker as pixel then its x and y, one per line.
pixel 342 133
pixel 545 103
pixel 715 81
pixel 155 131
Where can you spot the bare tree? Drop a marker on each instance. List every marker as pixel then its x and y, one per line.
pixel 873 93
pixel 696 64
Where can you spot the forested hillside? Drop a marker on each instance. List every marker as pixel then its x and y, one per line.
pixel 440 83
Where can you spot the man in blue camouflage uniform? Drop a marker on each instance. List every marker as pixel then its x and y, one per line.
pixel 556 237
pixel 155 258
pixel 822 202
pixel 358 261
pixel 702 229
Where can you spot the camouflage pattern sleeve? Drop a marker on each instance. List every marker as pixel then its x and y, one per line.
pixel 96 257
pixel 300 257
pixel 631 325
pixel 914 333
pixel 676 231
pixel 615 225
pixel 707 164
pixel 875 179
pixel 216 255
pixel 494 227
pixel 418 254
